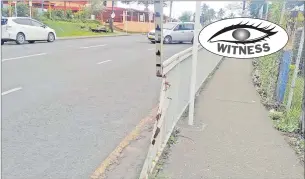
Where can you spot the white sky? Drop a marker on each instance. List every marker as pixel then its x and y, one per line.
pixel 180 6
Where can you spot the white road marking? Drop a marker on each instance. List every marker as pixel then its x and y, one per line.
pixel 103 62
pixel 151 48
pixel 27 56
pixel 93 46
pixel 10 91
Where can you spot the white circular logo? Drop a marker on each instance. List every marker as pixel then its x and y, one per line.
pixel 243 37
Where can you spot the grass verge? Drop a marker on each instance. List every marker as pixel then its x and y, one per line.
pixel 70 29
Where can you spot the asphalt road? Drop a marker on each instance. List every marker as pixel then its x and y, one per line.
pixel 66 105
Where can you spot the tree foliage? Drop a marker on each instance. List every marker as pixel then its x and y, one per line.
pixel 207 14
pixel 22 9
pixel 220 13
pixel 186 16
pixel 145 3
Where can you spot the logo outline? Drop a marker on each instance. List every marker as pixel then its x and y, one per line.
pixel 262 20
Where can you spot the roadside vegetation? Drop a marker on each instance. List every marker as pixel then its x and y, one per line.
pixel 265 77
pixel 65 23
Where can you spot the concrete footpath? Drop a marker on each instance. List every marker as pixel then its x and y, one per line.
pixel 232 138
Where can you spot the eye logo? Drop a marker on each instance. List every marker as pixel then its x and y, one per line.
pixel 243 38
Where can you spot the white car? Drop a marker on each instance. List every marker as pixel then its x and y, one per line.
pixel 21 29
pixel 175 32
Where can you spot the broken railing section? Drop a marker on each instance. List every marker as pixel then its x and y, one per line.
pixel 159 121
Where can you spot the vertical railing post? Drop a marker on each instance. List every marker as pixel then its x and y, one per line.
pixel 296 70
pixel 267 10
pixel 282 13
pixel 194 64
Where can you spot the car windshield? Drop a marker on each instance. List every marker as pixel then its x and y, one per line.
pixel 169 26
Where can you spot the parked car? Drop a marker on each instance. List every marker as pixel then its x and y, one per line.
pixel 21 29
pixel 175 32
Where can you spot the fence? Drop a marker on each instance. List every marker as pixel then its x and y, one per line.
pixel 175 98
pixel 281 80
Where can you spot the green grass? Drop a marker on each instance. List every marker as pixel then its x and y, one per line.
pixel 68 29
pixel 290 121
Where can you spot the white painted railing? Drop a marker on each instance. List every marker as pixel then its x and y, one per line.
pixel 175 98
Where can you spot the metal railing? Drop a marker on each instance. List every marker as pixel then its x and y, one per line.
pixel 175 98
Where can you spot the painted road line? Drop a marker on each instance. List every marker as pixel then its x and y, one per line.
pixel 93 46
pixel 115 154
pixel 27 56
pixel 103 62
pixel 10 91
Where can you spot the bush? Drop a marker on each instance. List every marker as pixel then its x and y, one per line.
pixel 82 15
pixel 22 9
pixel 5 12
pixel 58 15
pixel 69 14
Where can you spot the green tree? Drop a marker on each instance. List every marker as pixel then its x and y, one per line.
pixel 211 15
pixel 207 14
pixel 145 3
pixel 220 13
pixel 5 12
pixel 186 16
pixel 22 9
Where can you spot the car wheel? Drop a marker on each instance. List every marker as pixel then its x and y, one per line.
pixel 31 41
pixel 2 42
pixel 153 42
pixel 51 37
pixel 192 40
pixel 167 40
pixel 20 39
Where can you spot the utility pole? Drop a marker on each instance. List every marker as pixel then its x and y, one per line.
pixel 30 5
pixel 50 15
pixel 16 9
pixel 42 2
pixel 10 8
pixel 111 20
pixel 170 10
pixel 244 8
pixel 303 105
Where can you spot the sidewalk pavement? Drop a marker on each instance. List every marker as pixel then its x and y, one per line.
pixel 232 137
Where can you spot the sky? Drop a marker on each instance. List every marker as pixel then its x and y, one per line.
pixel 180 6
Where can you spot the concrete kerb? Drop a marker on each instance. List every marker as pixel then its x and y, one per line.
pixel 95 36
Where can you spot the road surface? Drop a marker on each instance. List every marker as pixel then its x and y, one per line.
pixel 66 105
